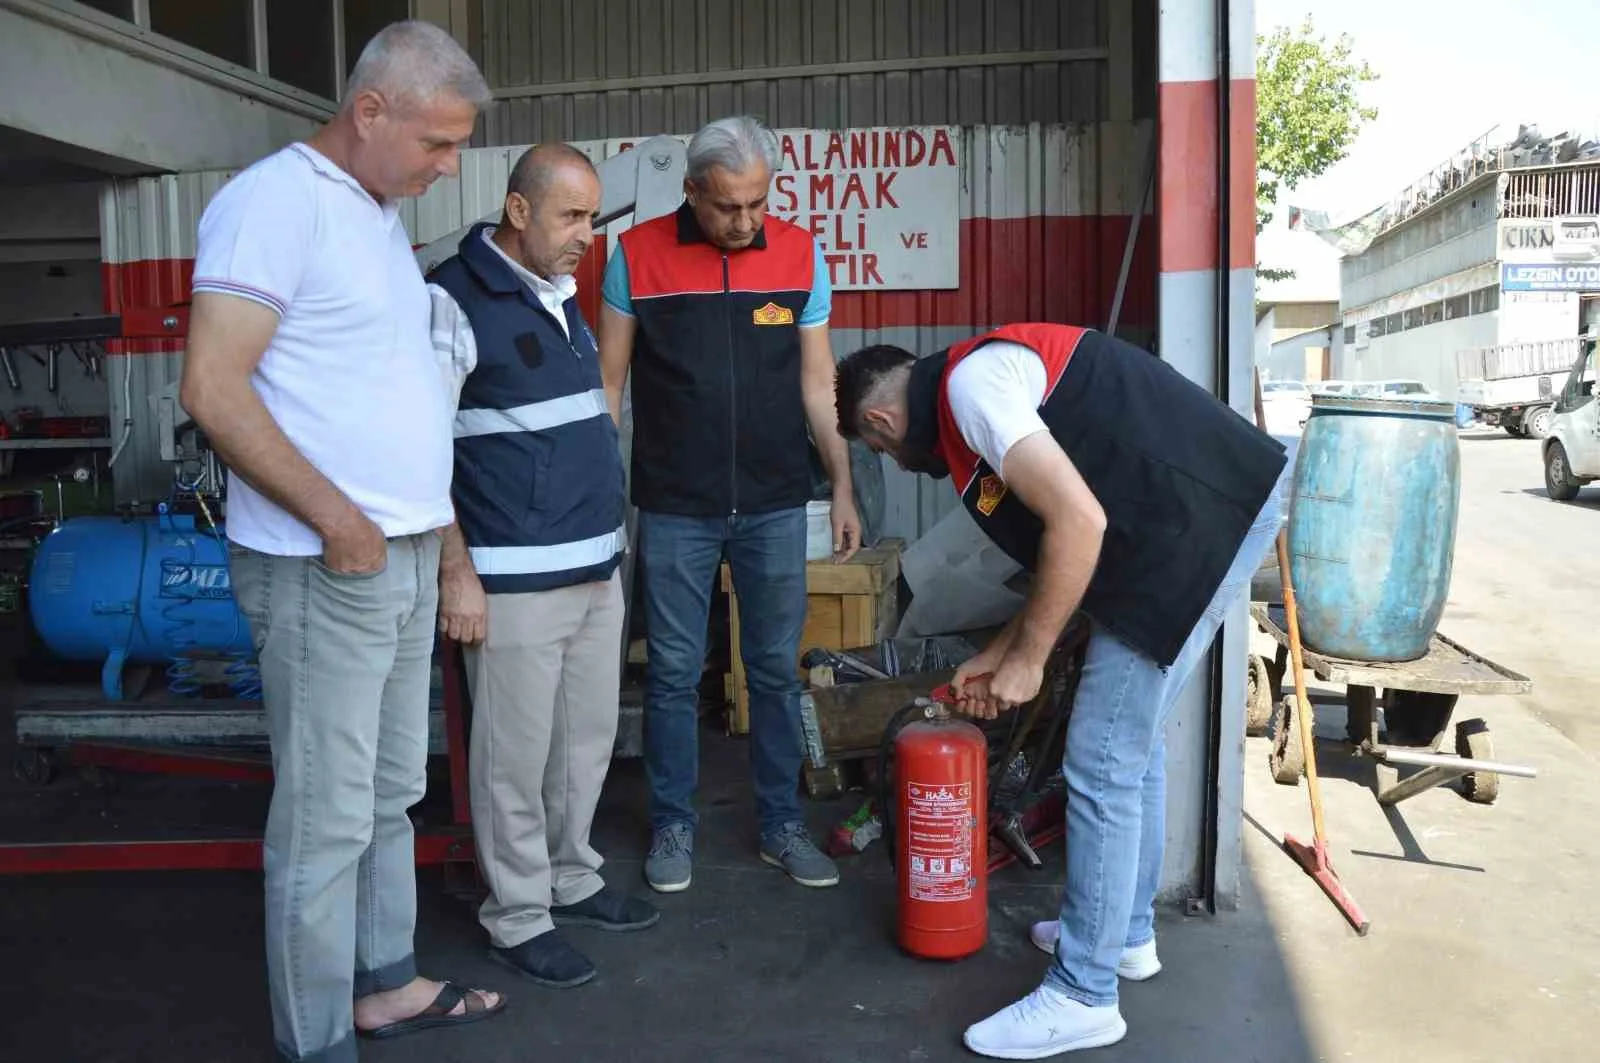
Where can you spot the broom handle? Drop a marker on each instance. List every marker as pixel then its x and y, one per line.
pixel 1302 712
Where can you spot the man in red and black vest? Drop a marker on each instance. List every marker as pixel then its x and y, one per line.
pixel 721 314
pixel 1128 492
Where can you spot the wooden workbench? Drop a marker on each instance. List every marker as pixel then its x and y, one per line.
pixel 848 605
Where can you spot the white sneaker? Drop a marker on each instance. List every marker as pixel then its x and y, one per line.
pixel 1138 964
pixel 1045 1023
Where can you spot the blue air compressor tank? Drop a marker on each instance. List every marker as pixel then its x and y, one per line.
pixel 143 590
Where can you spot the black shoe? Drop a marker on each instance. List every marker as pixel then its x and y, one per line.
pixel 547 959
pixel 607 911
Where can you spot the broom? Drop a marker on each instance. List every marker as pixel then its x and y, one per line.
pixel 1312 858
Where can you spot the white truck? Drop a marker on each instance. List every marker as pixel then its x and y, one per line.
pixel 1515 385
pixel 1572 450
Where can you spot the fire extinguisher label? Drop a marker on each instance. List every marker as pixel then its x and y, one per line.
pixel 939 841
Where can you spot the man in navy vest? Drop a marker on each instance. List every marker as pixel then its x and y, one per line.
pixel 1133 493
pixel 528 573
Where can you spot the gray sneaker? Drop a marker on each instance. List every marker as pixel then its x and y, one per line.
pixel 790 848
pixel 670 865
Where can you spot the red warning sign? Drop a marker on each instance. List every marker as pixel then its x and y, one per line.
pixel 939 825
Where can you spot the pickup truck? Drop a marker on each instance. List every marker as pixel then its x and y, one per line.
pixel 1515 385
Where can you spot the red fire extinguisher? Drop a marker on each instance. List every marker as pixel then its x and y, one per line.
pixel 940 819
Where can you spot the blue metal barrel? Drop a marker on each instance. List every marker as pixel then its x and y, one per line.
pixel 146 590
pixel 1372 526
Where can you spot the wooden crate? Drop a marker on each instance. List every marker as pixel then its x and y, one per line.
pixel 848 605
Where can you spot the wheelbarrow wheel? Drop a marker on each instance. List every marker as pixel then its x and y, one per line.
pixel 1473 741
pixel 1288 756
pixel 1257 698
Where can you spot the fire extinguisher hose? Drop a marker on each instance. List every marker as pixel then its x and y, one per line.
pixel 885 790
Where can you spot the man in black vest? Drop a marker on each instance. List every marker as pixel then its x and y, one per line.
pixel 528 573
pixel 720 313
pixel 1127 491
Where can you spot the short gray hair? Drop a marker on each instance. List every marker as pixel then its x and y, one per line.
pixel 732 144
pixel 416 62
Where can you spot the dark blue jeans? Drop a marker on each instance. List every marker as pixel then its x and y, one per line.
pixel 678 560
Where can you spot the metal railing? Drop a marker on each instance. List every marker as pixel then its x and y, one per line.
pixel 1560 191
pixel 1549 176
pixel 1527 358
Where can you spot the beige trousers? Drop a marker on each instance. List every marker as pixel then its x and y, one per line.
pixel 545 686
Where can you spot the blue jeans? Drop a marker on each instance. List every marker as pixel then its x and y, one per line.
pixel 678 558
pixel 1115 767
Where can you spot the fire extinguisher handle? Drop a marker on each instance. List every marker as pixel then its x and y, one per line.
pixel 946 694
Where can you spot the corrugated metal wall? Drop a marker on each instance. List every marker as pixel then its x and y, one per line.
pixel 585 69
pixel 147 240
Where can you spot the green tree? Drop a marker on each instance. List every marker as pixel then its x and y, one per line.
pixel 1308 108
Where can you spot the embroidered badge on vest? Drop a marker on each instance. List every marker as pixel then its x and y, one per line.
pixel 991 489
pixel 773 314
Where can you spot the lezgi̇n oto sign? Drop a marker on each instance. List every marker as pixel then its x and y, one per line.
pixel 884 204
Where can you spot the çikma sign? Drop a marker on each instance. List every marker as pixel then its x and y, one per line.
pixel 1540 241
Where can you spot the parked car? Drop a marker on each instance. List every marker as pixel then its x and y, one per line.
pixel 1414 390
pixel 1571 451
pixel 1287 404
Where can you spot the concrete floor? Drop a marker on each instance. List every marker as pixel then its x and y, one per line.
pixel 743 966
pixel 1527 580
pixel 1481 946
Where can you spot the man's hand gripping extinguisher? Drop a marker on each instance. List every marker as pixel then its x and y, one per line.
pixel 937 819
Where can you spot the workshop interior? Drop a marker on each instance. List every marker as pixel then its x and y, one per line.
pixel 965 163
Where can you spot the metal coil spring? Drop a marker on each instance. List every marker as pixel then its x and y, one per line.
pixel 182 678
pixel 244 677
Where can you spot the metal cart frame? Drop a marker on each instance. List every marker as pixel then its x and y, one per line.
pixel 1419 698
pixel 450 845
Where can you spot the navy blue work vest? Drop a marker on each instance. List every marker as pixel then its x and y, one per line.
pixel 538 489
pixel 1180 475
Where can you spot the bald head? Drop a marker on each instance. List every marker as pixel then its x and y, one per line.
pixel 552 201
pixel 539 167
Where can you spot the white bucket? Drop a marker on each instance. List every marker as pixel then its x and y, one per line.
pixel 819 530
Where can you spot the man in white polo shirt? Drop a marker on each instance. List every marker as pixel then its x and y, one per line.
pixel 309 366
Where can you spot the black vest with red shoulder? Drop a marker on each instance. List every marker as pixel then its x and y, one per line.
pixel 719 425
pixel 1180 475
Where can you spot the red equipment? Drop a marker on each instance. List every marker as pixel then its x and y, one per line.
pixel 941 835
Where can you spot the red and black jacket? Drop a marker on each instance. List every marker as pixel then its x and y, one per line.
pixel 1180 475
pixel 719 425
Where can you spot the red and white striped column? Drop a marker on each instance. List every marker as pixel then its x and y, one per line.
pixel 1206 262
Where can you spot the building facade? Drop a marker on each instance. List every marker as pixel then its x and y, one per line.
pixel 1509 256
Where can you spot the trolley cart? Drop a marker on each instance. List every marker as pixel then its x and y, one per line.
pixel 1419 698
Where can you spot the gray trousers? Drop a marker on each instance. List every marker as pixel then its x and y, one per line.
pixel 544 721
pixel 346 663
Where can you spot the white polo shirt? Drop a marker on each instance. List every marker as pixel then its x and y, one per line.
pixel 349 375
